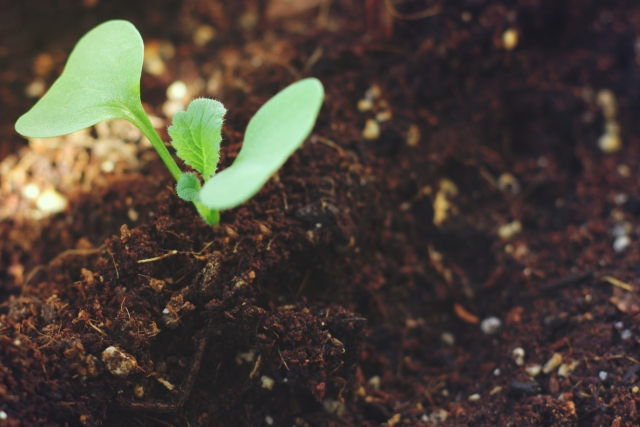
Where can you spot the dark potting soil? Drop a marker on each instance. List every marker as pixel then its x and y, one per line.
pixel 473 264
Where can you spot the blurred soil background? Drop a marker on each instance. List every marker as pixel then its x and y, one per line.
pixel 456 244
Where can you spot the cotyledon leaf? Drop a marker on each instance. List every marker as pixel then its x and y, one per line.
pixel 195 134
pixel 278 128
pixel 188 187
pixel 100 81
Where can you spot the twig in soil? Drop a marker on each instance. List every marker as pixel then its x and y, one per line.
pixel 303 284
pixel 434 10
pixel 616 356
pixel 115 265
pixel 160 406
pixel 58 258
pixel 96 328
pixel 317 54
pixel 330 143
pixel 463 314
pixel 282 358
pixel 159 421
pixel 158 258
pixel 616 282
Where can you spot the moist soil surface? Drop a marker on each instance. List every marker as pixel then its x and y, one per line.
pixel 455 244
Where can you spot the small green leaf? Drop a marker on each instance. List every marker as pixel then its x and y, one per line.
pixel 188 187
pixel 278 128
pixel 195 134
pixel 100 81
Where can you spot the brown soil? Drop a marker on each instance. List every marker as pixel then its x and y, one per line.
pixel 351 291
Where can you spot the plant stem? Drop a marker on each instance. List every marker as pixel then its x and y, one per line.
pixel 142 122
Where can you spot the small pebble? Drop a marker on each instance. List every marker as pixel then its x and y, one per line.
pixel 626 334
pixel 203 34
pixel 497 372
pixel 51 202
pixel 606 100
pixel 107 166
pixel 374 382
pixel 566 368
pixel 268 420
pixel 448 338
pixel 413 136
pixel 133 214
pixel 518 356
pixel 118 362
pixel 35 89
pixel 334 407
pixel 620 229
pixel 533 370
pixel 267 382
pixel 610 142
pixel 384 116
pixel 373 93
pixel 466 16
pixel 510 39
pixel 365 105
pixel 624 170
pixel 621 243
pixel 438 416
pixel 138 391
pixel 618 325
pixel 3 415
pixel 635 389
pixel 474 397
pixel 43 64
pixel 508 183
pixel 166 383
pixel 371 130
pixel 603 375
pixel 552 363
pixel 154 66
pixel 31 191
pixel 177 91
pixel 170 108
pixel 509 230
pixel 490 325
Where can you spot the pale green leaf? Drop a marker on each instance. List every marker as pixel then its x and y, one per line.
pixel 278 128
pixel 188 187
pixel 195 134
pixel 101 80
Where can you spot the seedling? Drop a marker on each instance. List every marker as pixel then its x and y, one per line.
pixel 101 81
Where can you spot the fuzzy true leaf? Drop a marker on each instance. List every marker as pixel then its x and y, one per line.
pixel 196 136
pixel 278 128
pixel 188 187
pixel 100 81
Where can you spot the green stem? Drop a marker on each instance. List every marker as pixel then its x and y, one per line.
pixel 142 122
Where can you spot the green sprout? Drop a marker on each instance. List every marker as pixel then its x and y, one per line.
pixel 101 81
